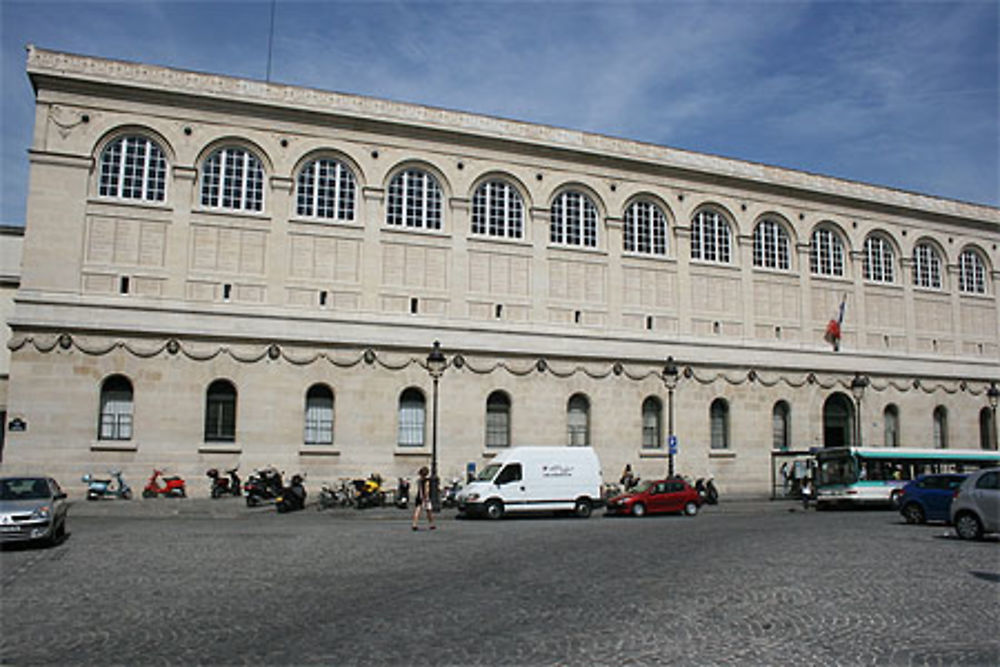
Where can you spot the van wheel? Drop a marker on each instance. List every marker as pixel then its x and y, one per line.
pixel 638 509
pixel 691 508
pixel 494 509
pixel 582 508
pixel 968 527
pixel 913 514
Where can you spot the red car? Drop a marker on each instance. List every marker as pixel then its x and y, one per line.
pixel 657 496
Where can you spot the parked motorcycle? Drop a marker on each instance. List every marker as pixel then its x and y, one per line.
pixel 331 496
pixel 172 487
pixel 107 488
pixel 403 493
pixel 263 486
pixel 707 491
pixel 368 492
pixel 449 495
pixel 293 496
pixel 225 486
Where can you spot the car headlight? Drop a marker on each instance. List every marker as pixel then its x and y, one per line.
pixel 472 497
pixel 42 512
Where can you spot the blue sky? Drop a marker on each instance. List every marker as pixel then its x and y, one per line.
pixel 901 94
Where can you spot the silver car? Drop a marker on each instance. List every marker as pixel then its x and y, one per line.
pixel 32 509
pixel 975 509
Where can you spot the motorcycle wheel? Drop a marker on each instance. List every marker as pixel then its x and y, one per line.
pixel 127 495
pixel 182 493
pixel 146 493
pixel 217 492
pixel 251 501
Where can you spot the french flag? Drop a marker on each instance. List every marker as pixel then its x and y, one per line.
pixel 832 334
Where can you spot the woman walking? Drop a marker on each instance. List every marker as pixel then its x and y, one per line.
pixel 423 499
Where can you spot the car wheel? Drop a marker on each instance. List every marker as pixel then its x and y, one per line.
pixel 913 513
pixel 968 526
pixel 691 508
pixel 582 509
pixel 638 509
pixel 494 509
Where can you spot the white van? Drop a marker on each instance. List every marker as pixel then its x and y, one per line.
pixel 535 479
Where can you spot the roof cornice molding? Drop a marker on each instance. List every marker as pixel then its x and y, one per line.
pixel 45 63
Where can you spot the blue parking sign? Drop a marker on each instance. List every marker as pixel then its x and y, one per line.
pixel 672 444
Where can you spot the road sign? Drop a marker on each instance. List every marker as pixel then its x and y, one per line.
pixel 672 444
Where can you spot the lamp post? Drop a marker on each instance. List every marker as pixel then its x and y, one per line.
pixel 436 363
pixel 993 396
pixel 858 385
pixel 670 375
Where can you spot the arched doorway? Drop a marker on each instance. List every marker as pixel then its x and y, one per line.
pixel 838 421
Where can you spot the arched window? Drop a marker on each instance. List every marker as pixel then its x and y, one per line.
pixel 781 426
pixel 497 210
pixel 710 240
pixel 325 189
pixel 719 418
pixel 319 415
pixel 771 246
pixel 826 253
pixel 412 418
pixel 220 412
pixel 414 200
pixel 578 421
pixel 645 229
pixel 986 429
pixel 940 427
pixel 573 220
pixel 891 419
pixel 232 178
pixel 926 266
pixel 133 167
pixel 971 273
pixel 652 423
pixel 498 420
pixel 116 409
pixel 878 260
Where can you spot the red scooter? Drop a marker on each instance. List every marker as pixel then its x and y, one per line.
pixel 172 487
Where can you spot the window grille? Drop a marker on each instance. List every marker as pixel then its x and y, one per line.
pixel 412 418
pixel 573 220
pixel 878 260
pixel 220 412
pixel 940 427
pixel 710 240
pixel 116 409
pixel 497 210
pixel 319 416
pixel 891 420
pixel 771 246
pixel 498 420
pixel 645 229
pixel 133 167
pixel 414 200
pixel 780 426
pixel 971 273
pixel 926 266
pixel 578 421
pixel 233 179
pixel 719 415
pixel 652 423
pixel 326 190
pixel 826 253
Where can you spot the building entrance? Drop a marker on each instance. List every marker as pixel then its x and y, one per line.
pixel 838 421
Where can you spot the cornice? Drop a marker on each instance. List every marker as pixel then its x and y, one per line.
pixel 57 65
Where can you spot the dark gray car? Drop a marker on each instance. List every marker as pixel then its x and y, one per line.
pixel 32 509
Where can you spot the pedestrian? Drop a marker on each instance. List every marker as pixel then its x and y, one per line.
pixel 423 499
pixel 628 480
pixel 807 491
pixel 784 478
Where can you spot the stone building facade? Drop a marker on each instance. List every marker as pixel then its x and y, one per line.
pixel 221 271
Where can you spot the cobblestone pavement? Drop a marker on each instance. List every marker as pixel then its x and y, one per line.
pixel 747 584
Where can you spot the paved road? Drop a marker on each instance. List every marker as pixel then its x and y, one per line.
pixel 198 582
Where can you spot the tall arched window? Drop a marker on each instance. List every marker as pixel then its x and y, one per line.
pixel 826 253
pixel 986 429
pixel 498 420
pixel 771 246
pixel 891 420
pixel 926 266
pixel 319 415
pixel 325 189
pixel 578 421
pixel 940 427
pixel 414 200
pixel 220 412
pixel 781 426
pixel 573 220
pixel 878 260
pixel 133 167
pixel 719 419
pixel 710 237
pixel 233 178
pixel 652 423
pixel 497 210
pixel 645 229
pixel 412 418
pixel 116 409
pixel 971 273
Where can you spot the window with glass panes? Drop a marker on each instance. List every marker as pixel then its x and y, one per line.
pixel 940 427
pixel 325 190
pixel 116 409
pixel 710 237
pixel 770 246
pixel 412 417
pixel 573 220
pixel 652 423
pixel 414 200
pixel 578 421
pixel 878 260
pixel 233 178
pixel 926 266
pixel 319 416
pixel 891 421
pixel 826 253
pixel 645 229
pixel 719 419
pixel 498 420
pixel 971 273
pixel 220 412
pixel 497 210
pixel 780 426
pixel 133 167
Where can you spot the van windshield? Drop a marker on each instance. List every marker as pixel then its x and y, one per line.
pixel 489 472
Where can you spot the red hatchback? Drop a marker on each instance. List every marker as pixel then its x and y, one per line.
pixel 657 496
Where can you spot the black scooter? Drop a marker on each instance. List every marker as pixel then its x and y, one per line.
pixel 293 496
pixel 223 486
pixel 707 491
pixel 403 493
pixel 263 487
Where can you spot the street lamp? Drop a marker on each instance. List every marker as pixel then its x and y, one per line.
pixel 858 385
pixel 670 376
pixel 436 363
pixel 993 396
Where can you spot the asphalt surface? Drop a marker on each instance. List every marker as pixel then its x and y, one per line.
pixel 752 583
